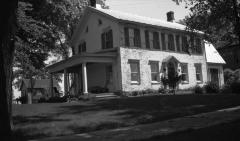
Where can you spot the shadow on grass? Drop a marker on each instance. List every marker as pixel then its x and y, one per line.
pixel 131 111
pixel 222 132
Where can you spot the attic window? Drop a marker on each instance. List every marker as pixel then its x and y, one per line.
pixel 86 30
pixel 99 22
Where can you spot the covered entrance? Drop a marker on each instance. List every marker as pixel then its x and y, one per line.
pixel 84 71
pixel 214 76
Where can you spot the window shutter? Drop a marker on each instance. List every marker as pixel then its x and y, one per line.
pixel 126 36
pixel 110 38
pixel 103 40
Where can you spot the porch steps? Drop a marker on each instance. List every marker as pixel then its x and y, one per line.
pixel 106 96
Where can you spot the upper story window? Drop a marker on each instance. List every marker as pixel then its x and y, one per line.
pixel 198 46
pixel 156 44
pixel 107 39
pixel 163 41
pixel 82 47
pixel 135 71
pixel 99 22
pixel 184 44
pixel 171 42
pixel 178 43
pixel 147 40
pixel 86 30
pixel 154 71
pixel 184 68
pixel 137 37
pixel 126 36
pixel 198 68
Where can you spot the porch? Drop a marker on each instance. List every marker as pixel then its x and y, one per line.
pixel 87 70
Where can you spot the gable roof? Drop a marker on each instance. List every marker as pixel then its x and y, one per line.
pixel 42 83
pixel 212 54
pixel 122 16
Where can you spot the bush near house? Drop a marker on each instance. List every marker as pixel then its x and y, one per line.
pixel 211 87
pixel 98 89
pixel 198 90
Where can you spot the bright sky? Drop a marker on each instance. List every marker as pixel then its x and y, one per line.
pixel 149 8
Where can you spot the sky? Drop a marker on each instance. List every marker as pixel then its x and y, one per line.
pixel 149 8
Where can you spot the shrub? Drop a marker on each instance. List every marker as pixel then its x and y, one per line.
pixel 161 90
pixel 22 99
pixel 98 89
pixel 235 87
pixel 211 87
pixel 198 90
pixel 42 100
pixel 57 99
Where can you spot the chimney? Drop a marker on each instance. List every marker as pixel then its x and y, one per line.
pixel 170 16
pixel 96 4
pixel 93 3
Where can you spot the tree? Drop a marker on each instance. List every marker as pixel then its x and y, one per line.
pixel 8 29
pixel 218 19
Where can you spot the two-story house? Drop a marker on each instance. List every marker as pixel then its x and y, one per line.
pixel 126 52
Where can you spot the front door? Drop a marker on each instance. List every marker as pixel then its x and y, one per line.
pixel 214 76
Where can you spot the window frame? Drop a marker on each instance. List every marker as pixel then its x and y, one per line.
pixel 196 65
pixel 186 73
pixel 136 37
pixel 163 41
pixel 131 62
pixel 107 39
pixel 126 36
pixel 156 42
pixel 184 43
pixel 82 47
pixel 156 73
pixel 171 43
pixel 147 39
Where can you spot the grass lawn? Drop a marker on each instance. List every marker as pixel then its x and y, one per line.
pixel 55 119
pixel 223 132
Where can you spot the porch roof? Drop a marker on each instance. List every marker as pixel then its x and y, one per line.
pixel 212 54
pixel 105 57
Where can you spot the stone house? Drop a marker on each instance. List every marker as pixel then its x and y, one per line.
pixel 126 52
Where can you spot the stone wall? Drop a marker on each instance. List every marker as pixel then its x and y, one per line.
pixel 144 56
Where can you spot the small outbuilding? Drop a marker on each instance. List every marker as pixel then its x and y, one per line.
pixel 37 89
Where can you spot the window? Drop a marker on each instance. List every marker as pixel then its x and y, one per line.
pixel 99 22
pixel 193 47
pixel 156 44
pixel 198 46
pixel 126 36
pixel 109 74
pixel 198 68
pixel 107 39
pixel 184 44
pixel 137 38
pixel 135 71
pixel 171 42
pixel 163 41
pixel 86 30
pixel 154 71
pixel 147 39
pixel 82 47
pixel 178 43
pixel 184 68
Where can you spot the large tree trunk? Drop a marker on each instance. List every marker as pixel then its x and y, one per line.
pixel 8 26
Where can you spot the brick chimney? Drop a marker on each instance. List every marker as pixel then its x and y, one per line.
pixel 93 3
pixel 170 16
pixel 96 4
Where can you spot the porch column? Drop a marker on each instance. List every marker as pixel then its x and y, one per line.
pixel 84 75
pixel 65 81
pixel 51 85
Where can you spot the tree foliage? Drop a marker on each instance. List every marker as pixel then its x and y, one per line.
pixel 218 19
pixel 44 26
